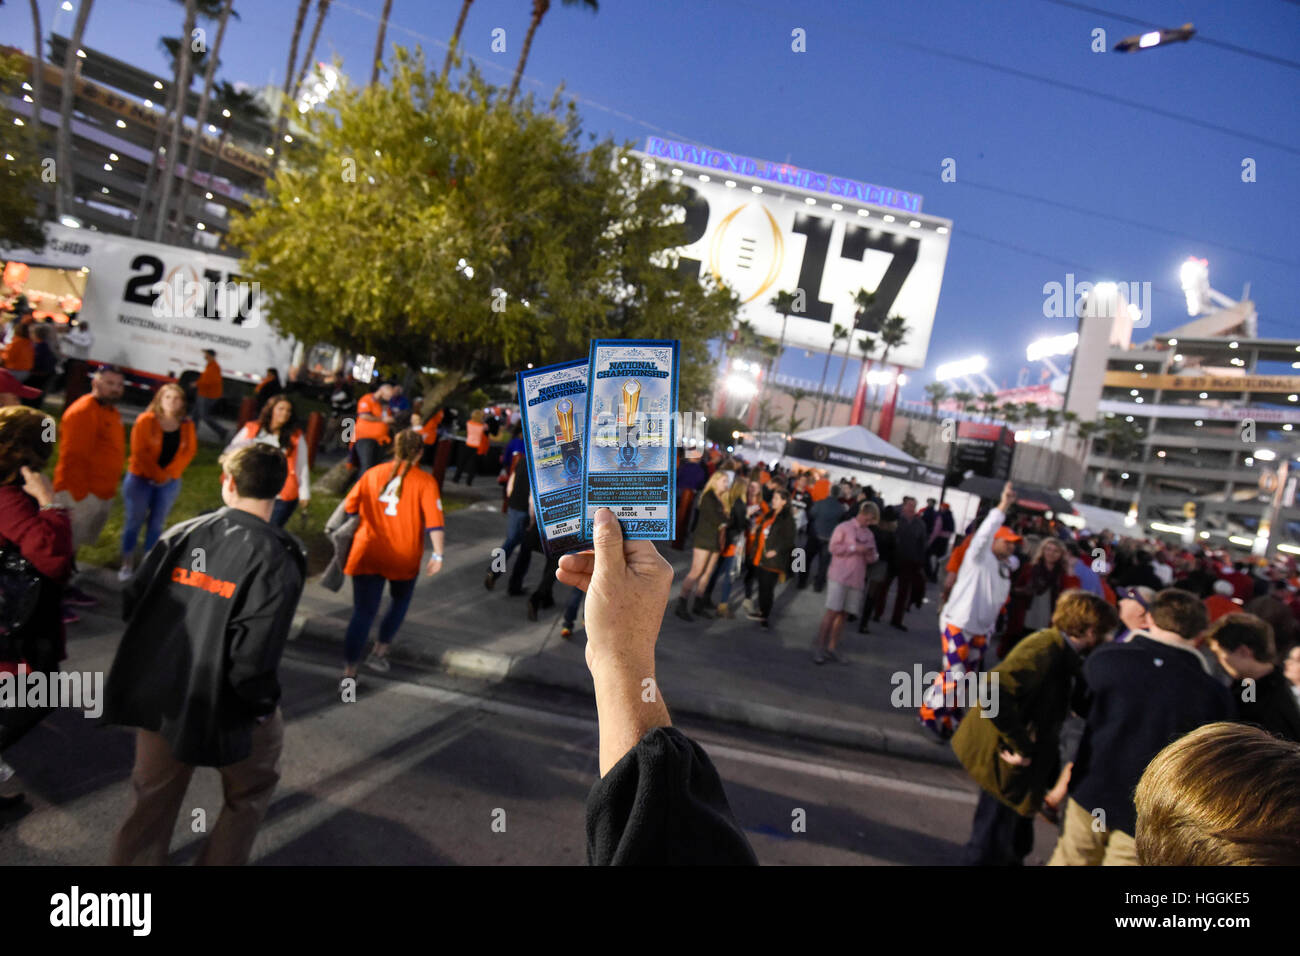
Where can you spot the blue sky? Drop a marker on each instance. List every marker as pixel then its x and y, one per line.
pixel 1050 179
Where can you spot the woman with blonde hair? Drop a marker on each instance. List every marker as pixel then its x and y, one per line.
pixel 1034 592
pixel 710 540
pixel 397 506
pixel 163 443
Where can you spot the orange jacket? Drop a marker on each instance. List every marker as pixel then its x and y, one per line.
pixel 476 436
pixel 370 404
pixel 20 355
pixel 297 474
pixel 146 444
pixel 209 383
pixel 429 430
pixel 92 449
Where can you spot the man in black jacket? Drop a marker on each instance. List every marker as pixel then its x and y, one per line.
pixel 1243 643
pixel 1144 694
pixel 208 616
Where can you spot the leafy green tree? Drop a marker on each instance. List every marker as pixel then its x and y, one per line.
pixel 20 168
pixel 432 225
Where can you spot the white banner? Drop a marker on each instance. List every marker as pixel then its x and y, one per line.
pixel 782 238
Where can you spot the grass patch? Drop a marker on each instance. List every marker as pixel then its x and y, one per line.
pixel 201 493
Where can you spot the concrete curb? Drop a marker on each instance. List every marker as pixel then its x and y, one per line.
pixel 493 665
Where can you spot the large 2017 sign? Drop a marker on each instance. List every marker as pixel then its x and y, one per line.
pixel 760 244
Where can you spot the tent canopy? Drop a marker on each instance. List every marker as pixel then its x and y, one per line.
pixel 854 438
pixel 1032 497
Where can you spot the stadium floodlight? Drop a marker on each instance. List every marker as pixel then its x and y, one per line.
pixel 741 387
pixel 1054 345
pixel 961 368
pixel 1194 276
pixel 1266 454
pixel 1155 38
pixel 1243 542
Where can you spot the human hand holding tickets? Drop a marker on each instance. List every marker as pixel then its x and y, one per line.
pixel 627 585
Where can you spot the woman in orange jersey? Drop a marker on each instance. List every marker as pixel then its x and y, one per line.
pixel 398 506
pixel 163 443
pixel 278 427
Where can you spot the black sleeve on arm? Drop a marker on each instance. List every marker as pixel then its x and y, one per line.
pixel 663 804
pixel 258 633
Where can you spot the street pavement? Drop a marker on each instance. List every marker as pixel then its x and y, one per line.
pixel 489 717
pixel 729 670
pixel 430 768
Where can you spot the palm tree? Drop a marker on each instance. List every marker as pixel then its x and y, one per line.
pixel 839 382
pixel 539 10
pixel 964 399
pixel 199 118
pixel 286 100
pixel 797 395
pixel 63 191
pixel 38 83
pixel 234 102
pixel 379 42
pixel 867 346
pixel 988 400
pixel 172 47
pixel 1032 412
pixel 864 317
pixel 455 35
pixel 1009 412
pixel 322 8
pixel 936 392
pixel 182 89
pixel 837 332
pixel 893 333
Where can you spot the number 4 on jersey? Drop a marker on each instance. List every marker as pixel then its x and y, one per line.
pixel 389 496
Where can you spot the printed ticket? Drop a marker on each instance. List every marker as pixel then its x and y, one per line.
pixel 631 464
pixel 553 406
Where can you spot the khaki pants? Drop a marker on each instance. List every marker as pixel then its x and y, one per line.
pixel 87 516
pixel 1081 845
pixel 158 785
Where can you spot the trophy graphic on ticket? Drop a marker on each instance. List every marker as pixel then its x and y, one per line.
pixel 631 407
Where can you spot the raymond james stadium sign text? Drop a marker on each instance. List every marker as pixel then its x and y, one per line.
pixel 783 173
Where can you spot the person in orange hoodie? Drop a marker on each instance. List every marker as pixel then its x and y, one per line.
pixel 163 444
pixel 209 390
pixel 92 450
pixel 20 354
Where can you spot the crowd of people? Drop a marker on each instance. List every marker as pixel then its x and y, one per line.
pixel 1120 661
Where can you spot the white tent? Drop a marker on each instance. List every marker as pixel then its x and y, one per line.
pixel 852 451
pixel 854 438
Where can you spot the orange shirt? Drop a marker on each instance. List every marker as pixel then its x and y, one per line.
pixel 958 553
pixel 429 430
pixel 371 405
pixel 476 436
pixel 821 489
pixel 146 444
pixel 92 449
pixel 390 538
pixel 20 355
pixel 209 381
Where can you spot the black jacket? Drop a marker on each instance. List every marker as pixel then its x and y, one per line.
pixel 1274 707
pixel 1142 696
pixel 663 805
pixel 208 616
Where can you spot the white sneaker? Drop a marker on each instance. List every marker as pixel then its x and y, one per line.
pixel 124 573
pixel 377 663
pixel 6 772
